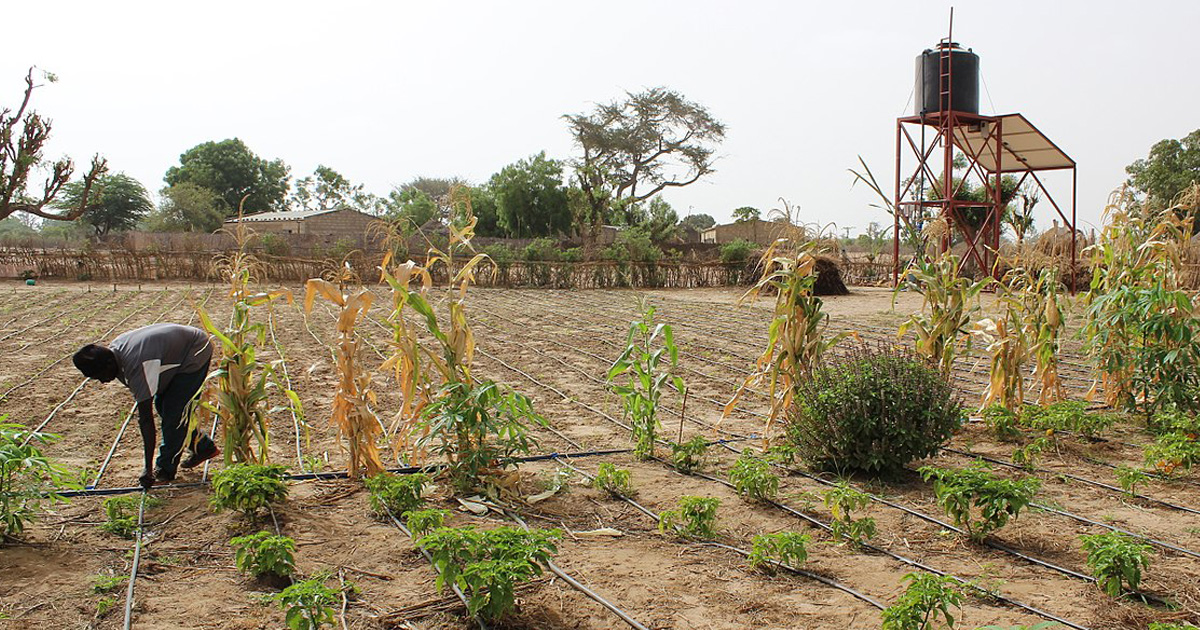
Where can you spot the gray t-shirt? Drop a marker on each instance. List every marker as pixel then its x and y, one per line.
pixel 152 355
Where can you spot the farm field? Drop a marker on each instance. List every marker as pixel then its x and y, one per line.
pixel 555 346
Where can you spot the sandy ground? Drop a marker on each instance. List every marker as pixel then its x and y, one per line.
pixel 555 347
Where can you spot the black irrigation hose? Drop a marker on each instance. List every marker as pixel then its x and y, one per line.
pixel 1098 484
pixel 790 569
pixel 592 595
pixel 137 558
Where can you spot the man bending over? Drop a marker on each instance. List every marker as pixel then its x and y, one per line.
pixel 164 366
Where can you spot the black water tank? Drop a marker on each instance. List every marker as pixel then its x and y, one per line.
pixel 964 65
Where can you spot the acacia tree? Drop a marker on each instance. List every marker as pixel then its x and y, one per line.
pixel 118 203
pixel 23 133
pixel 327 189
pixel 635 148
pixel 746 213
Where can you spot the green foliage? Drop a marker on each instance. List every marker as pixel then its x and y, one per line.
pixel 1116 558
pixel 410 208
pixel 698 222
pixel 265 554
pixel 28 479
pixel 617 482
pixel 421 522
pixel 396 493
pixel 927 598
pixel 746 213
pixel 689 456
pixel 530 198
pixel 658 219
pixel 248 487
pixel 737 251
pixel 187 207
pixel 1002 423
pixel 480 430
pixel 873 410
pixel 1170 168
pixel 1066 416
pixel 121 514
pixel 542 249
pixel 1029 455
pixel 646 370
pixel 489 565
pixel 308 605
pixel 107 583
pixel 632 245
pixel 842 501
pixel 788 548
pixel 327 189
pixel 949 306
pixel 233 172
pixel 118 202
pixel 695 518
pixel 1173 451
pixel 105 605
pixel 752 478
pixel 962 492
pixel 1130 478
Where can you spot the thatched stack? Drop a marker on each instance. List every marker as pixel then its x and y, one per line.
pixel 829 278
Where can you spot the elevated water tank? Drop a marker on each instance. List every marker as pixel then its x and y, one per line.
pixel 964 96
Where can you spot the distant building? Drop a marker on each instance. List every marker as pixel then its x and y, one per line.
pixel 325 223
pixel 755 231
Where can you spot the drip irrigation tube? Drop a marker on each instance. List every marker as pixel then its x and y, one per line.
pixel 137 558
pixel 633 623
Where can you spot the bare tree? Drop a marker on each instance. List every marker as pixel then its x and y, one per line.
pixel 22 136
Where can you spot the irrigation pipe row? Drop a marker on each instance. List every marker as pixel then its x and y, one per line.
pixel 54 316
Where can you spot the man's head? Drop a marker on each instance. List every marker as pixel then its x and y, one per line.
pixel 96 362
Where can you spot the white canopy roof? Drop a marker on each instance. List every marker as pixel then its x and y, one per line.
pixel 1024 148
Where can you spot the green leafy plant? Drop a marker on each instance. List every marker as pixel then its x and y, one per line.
pixel 875 409
pixel 105 605
pixel 752 478
pixel 644 368
pixel 689 456
pixel 1002 423
pixel 1067 415
pixel 479 429
pixel 737 251
pixel 107 583
pixel 695 518
pixel 396 493
pixel 421 522
pixel 1130 478
pixel 248 488
pixel 927 598
pixel 265 554
pixel 770 550
pixel 1029 455
pixel 489 565
pixel 963 493
pixel 307 605
pixel 28 479
pixel 121 513
pixel 615 481
pixel 1173 451
pixel 1116 559
pixel 842 501
pixel 949 306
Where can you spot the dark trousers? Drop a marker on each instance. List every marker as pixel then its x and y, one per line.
pixel 174 406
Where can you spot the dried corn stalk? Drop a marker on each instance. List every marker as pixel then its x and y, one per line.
pixel 950 300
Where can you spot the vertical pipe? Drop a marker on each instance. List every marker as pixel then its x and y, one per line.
pixel 1074 229
pixel 896 214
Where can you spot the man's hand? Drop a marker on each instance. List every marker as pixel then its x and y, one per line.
pixel 147 479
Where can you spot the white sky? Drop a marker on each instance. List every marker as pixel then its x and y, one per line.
pixel 384 92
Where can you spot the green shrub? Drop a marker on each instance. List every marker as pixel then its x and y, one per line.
pixel 28 479
pixel 752 478
pixel 964 492
pixel 737 251
pixel 572 255
pixel 1130 478
pixel 248 487
pixel 769 550
pixel 500 254
pixel 1002 423
pixel 489 565
pixel 842 501
pixel 1068 415
pixel 308 605
pixel 541 249
pixel 396 493
pixel 1173 451
pixel 928 597
pixel 265 554
pixel 120 514
pixel 107 583
pixel 421 522
pixel 1116 558
pixel 874 410
pixel 615 481
pixel 632 245
pixel 695 518
pixel 1029 455
pixel 689 456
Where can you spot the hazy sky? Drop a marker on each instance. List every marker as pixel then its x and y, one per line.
pixel 384 92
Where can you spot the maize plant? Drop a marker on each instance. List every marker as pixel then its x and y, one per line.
pixel 796 336
pixel 356 423
pixel 243 381
pixel 950 302
pixel 648 364
pixel 1043 305
pixel 1139 324
pixel 1008 346
pixel 407 363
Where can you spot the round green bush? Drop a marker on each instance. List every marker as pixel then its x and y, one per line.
pixel 874 410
